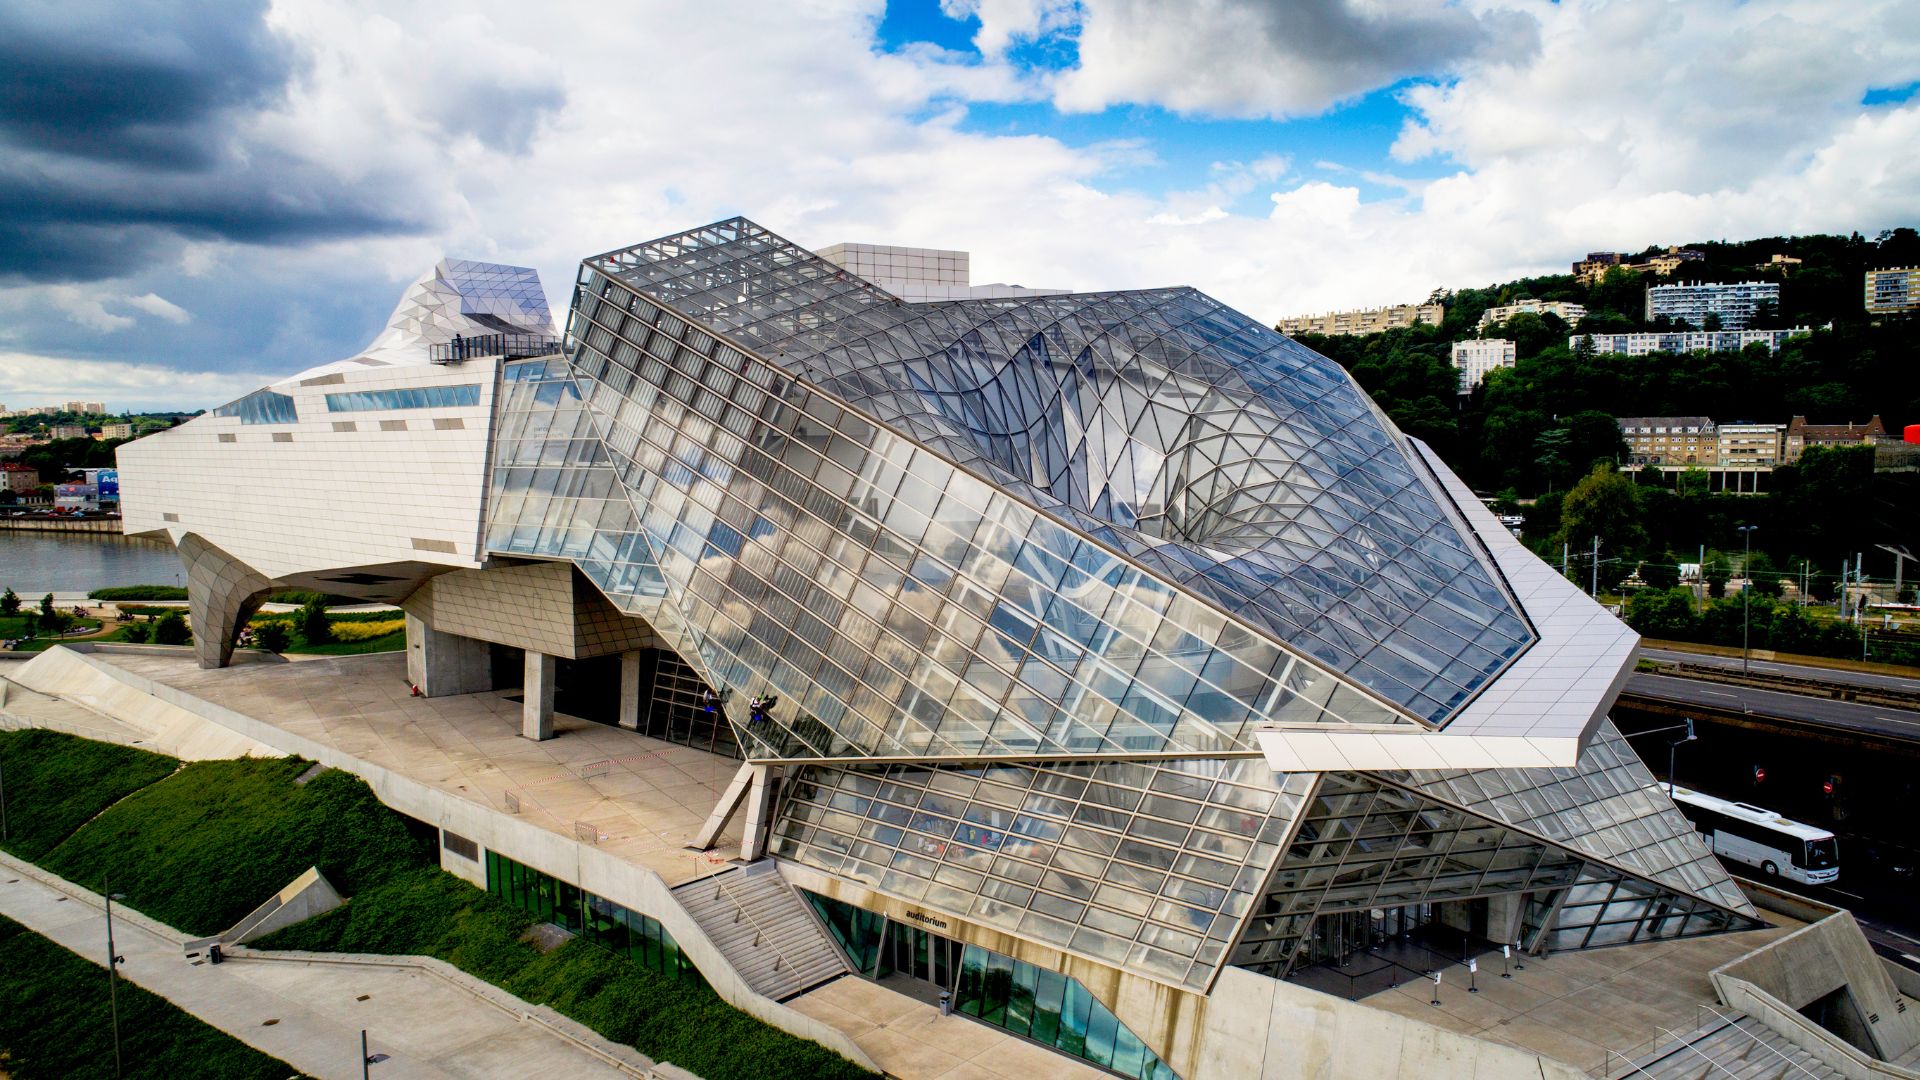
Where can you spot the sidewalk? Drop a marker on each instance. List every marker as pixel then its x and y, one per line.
pixel 309 1014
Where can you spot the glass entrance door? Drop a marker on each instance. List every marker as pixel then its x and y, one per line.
pixel 922 956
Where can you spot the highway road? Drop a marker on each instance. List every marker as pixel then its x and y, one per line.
pixel 1720 697
pixel 1837 676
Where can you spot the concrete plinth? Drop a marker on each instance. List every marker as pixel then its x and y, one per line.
pixel 536 714
pixel 443 664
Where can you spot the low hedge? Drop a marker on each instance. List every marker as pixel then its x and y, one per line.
pixel 54 1023
pixel 139 592
pixel 203 847
pixel 55 783
pixel 430 912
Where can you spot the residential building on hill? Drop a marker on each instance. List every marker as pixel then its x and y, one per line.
pixel 119 430
pixel 1750 445
pixel 1802 436
pixel 1893 291
pixel 1595 266
pixel 20 479
pixel 1670 440
pixel 69 431
pixel 1732 302
pixel 1687 341
pixel 1570 313
pixel 1475 357
pixel 1366 321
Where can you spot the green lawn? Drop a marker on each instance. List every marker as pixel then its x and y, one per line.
pixel 56 783
pixel 432 913
pixel 199 845
pixel 55 1025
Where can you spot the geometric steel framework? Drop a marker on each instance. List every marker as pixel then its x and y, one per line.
pixel 1012 584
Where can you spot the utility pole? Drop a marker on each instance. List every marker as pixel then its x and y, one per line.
pixel 1563 560
pixel 1746 597
pixel 1596 568
pixel 113 977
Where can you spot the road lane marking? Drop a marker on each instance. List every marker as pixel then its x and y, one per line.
pixel 1717 693
pixel 1904 937
pixel 1844 892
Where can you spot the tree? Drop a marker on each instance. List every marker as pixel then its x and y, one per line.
pixel 30 624
pixel 171 630
pixel 272 635
pixel 46 605
pixel 1602 504
pixel 1717 572
pixel 1666 614
pixel 313 623
pixel 10 603
pixel 1662 573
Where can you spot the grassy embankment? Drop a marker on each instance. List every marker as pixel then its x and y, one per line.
pixel 199 845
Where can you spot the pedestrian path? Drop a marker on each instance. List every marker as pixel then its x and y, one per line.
pixel 432 1022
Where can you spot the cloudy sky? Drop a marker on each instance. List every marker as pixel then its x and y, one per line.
pixel 197 197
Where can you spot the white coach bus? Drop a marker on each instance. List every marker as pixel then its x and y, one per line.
pixel 1776 846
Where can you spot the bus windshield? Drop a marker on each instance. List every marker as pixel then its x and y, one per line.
pixel 1821 854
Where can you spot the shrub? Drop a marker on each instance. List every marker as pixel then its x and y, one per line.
pixel 137 633
pixel 171 630
pixel 313 624
pixel 365 631
pixel 58 782
pixel 140 592
pixel 272 636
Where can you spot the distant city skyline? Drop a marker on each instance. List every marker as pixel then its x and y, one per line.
pixel 286 168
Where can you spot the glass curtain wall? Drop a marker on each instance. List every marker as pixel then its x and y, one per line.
pixel 619 930
pixel 1032 1002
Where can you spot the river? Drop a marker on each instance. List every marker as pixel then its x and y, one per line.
pixel 38 562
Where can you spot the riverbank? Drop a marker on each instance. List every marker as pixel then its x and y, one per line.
pixel 107 526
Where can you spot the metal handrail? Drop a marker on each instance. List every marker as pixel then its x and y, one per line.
pixel 475 346
pixel 1769 1047
pixel 721 890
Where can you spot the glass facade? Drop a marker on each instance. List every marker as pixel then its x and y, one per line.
pixel 1145 867
pixel 639 938
pixel 414 397
pixel 261 407
pixel 1032 1002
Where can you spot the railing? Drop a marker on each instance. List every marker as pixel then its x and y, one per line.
pixel 475 346
pixel 723 892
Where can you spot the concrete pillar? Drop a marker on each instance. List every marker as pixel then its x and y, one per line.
pixel 630 690
pixel 723 810
pixel 222 594
pixel 755 831
pixel 536 710
pixel 440 663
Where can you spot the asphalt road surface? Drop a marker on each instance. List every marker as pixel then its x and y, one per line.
pixel 1873 719
pixel 1837 676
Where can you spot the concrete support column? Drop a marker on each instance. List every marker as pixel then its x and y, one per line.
pixel 440 663
pixel 723 810
pixel 536 711
pixel 755 832
pixel 222 594
pixel 630 690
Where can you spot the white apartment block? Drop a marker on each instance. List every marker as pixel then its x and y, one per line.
pixel 1366 321
pixel 921 275
pixel 1691 341
pixel 1733 302
pixel 1893 291
pixel 1476 357
pixel 1570 313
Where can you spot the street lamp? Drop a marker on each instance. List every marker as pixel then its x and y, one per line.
pixel 1673 747
pixel 367 1059
pixel 1746 596
pixel 114 960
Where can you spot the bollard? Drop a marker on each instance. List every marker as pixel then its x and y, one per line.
pixel 1506 958
pixel 213 954
pixel 1436 989
pixel 1473 972
pixel 946 1003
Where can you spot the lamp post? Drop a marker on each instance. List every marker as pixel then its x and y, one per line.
pixel 1746 597
pixel 114 960
pixel 367 1059
pixel 1673 747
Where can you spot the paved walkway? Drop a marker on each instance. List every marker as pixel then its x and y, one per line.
pixel 909 1038
pixel 310 1014
pixel 646 798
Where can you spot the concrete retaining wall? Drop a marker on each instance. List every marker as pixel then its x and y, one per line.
pixel 1817 961
pixel 72 673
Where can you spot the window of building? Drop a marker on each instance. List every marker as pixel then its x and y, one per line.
pixel 260 407
pixel 417 397
pixel 639 938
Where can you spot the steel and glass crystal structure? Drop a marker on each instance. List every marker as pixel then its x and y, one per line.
pixel 1116 622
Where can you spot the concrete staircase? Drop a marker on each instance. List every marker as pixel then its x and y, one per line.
pixel 764 929
pixel 1737 1047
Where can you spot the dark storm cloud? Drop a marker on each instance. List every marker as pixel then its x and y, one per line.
pixel 118 139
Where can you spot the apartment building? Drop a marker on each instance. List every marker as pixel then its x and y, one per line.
pixel 1733 303
pixel 1366 321
pixel 1750 445
pixel 1475 357
pixel 1688 341
pixel 1802 436
pixel 1570 313
pixel 1670 440
pixel 1893 291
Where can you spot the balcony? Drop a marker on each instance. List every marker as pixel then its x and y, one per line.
pixel 507 346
